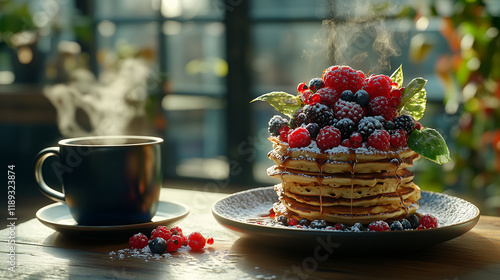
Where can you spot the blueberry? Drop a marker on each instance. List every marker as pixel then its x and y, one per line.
pixel 158 245
pixel 316 84
pixel 304 222
pixel 389 125
pixel 362 98
pixel 358 227
pixel 282 219
pixel 414 221
pixel 347 96
pixel 406 224
pixel 313 129
pixel 396 225
pixel 318 224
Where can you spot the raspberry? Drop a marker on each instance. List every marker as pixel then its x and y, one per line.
pixel 161 231
pixel 158 245
pixel 210 240
pixel 328 137
pixel 292 222
pixel 356 140
pixel 301 87
pixel 313 129
pixel 400 138
pixel 316 84
pixel 346 127
pixel 275 123
pixel 379 226
pixel 405 122
pixel 379 106
pixel 329 96
pixel 343 78
pixel 346 143
pixel 428 221
pixel 319 114
pixel 367 126
pixel 299 138
pixel 350 110
pixel 284 133
pixel 379 85
pixel 380 140
pixel 138 241
pixel 196 241
pixel 174 243
pixel 176 230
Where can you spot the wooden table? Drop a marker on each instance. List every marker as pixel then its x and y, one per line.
pixel 41 252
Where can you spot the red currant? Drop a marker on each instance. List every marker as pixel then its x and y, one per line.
pixel 174 243
pixel 210 241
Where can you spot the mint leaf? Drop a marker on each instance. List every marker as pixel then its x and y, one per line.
pixel 430 144
pixel 284 102
pixel 414 98
pixel 397 76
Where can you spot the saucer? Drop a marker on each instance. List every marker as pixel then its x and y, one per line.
pixel 58 217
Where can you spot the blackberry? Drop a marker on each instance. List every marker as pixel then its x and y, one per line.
pixel 275 123
pixel 313 129
pixel 297 120
pixel 380 119
pixel 362 97
pixel 319 224
pixel 316 84
pixel 348 96
pixel 389 126
pixel 282 219
pixel 320 114
pixel 346 127
pixel 405 122
pixel 367 126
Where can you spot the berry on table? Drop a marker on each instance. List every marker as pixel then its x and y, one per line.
pixel 196 241
pixel 210 240
pixel 299 138
pixel 161 231
pixel 158 245
pixel 379 226
pixel 138 241
pixel 380 140
pixel 176 230
pixel 328 137
pixel 174 243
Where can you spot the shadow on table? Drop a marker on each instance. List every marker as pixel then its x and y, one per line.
pixel 467 257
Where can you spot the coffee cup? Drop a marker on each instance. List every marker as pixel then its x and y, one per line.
pixel 106 180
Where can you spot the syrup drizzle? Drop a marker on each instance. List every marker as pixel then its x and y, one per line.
pixel 397 164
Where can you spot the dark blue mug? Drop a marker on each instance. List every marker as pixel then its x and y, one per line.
pixel 106 180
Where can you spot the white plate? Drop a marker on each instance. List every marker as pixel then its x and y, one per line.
pixel 58 217
pixel 455 216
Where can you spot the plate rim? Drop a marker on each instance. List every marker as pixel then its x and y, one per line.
pixel 296 232
pixel 106 228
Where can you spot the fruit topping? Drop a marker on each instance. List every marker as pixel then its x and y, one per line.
pixel 299 138
pixel 328 137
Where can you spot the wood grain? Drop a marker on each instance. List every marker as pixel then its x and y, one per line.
pixel 44 253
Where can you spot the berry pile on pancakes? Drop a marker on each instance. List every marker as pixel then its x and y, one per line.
pixel 342 150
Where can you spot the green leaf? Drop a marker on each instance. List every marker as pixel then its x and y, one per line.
pixel 416 106
pixel 283 102
pixel 429 144
pixel 397 76
pixel 414 98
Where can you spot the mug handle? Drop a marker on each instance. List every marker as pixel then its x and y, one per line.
pixel 42 186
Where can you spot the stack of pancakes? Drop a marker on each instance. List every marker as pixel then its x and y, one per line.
pixel 343 185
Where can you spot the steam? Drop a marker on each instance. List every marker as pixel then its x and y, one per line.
pixel 358 35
